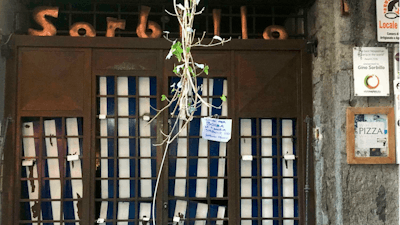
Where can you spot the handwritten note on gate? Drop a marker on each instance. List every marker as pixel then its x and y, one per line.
pixel 216 129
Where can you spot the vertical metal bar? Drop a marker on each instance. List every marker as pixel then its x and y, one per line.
pixel 279 176
pixel 115 202
pixel 63 166
pixel 233 149
pixel 259 174
pixel 207 17
pixel 307 186
pixel 254 20
pixel 40 167
pixel 70 15
pixel 230 20
pixel 119 17
pixel 273 15
pixel 95 16
pixel 137 152
pixel 162 16
pixel 305 31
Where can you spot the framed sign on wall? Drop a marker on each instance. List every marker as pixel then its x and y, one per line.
pixel 370 135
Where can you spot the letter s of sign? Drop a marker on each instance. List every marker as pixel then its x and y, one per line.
pixel 39 16
pixel 142 26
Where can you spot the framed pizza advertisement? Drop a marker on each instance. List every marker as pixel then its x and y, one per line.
pixel 370 135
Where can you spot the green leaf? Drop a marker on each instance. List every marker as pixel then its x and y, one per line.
pixel 187 49
pixel 163 97
pixel 175 70
pixel 179 49
pixel 173 90
pixel 223 98
pixel 179 57
pixel 191 70
pixel 206 69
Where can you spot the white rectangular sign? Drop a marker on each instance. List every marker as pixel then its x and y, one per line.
pixel 371 71
pixel 371 135
pixel 396 87
pixel 396 62
pixel 216 129
pixel 387 16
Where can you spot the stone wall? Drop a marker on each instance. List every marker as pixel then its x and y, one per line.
pixel 346 194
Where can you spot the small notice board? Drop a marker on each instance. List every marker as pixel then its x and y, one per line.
pixel 370 135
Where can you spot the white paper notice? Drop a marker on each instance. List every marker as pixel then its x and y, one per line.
pixel 371 135
pixel 387 16
pixel 216 129
pixel 371 71
pixel 396 70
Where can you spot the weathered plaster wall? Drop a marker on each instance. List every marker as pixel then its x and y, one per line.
pixel 346 194
pixel 7 8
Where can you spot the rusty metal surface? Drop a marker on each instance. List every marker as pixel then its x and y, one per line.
pixel 39 16
pixel 47 82
pixel 243 15
pixel 258 17
pixel 217 21
pixel 113 24
pixel 264 77
pixel 267 84
pixel 268 33
pixel 90 31
pixel 144 24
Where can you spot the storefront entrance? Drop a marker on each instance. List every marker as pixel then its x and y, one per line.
pixel 82 151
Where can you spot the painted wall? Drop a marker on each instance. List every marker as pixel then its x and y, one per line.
pixel 346 194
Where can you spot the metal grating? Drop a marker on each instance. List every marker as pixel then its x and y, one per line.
pixel 269 182
pixel 197 172
pixel 126 155
pixel 259 16
pixel 51 186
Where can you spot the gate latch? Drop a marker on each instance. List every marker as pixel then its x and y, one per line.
pixel 288 157
pixel 312 47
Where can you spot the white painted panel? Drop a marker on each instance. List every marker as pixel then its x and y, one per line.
pixel 266 170
pixel 123 212
pixel 103 147
pixel 145 210
pixel 202 169
pixel 287 184
pixel 201 212
pixel 75 166
pixel 145 144
pixel 29 151
pixel 181 164
pixel 53 167
pixel 220 215
pixel 246 211
pixel 245 186
pixel 210 93
pixel 221 169
pixel 180 207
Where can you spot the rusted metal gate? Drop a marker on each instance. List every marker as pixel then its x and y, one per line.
pixel 80 149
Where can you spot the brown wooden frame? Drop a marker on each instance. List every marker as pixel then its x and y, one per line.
pixel 350 114
pixel 89 45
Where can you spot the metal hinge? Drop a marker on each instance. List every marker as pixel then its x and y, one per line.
pixel 312 47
